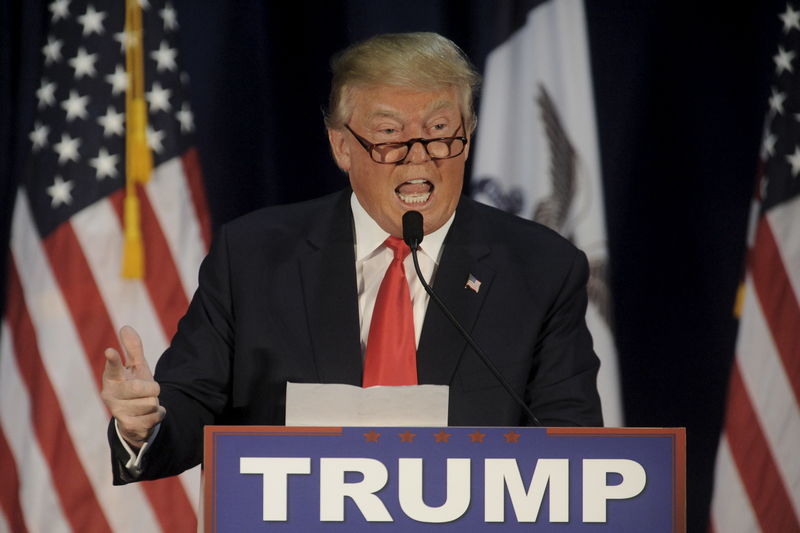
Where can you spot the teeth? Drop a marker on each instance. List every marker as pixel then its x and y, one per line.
pixel 414 198
pixel 419 180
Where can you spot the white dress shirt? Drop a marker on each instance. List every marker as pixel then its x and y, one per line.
pixel 373 258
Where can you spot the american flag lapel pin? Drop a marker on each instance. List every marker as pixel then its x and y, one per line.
pixel 473 283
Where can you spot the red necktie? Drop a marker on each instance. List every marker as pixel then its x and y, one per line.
pixel 391 355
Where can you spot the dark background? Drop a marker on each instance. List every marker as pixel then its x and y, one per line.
pixel 680 91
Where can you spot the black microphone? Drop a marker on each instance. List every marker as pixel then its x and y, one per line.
pixel 412 235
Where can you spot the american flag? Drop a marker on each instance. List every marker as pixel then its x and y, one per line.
pixel 66 297
pixel 757 479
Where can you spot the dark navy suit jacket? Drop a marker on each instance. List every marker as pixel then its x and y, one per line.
pixel 277 302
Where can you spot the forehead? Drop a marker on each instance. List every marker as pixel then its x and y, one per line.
pixel 402 103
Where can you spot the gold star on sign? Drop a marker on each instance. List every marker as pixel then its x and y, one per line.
pixel 512 436
pixel 442 436
pixel 407 436
pixel 477 436
pixel 372 436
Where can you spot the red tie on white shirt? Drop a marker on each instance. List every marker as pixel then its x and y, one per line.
pixel 391 355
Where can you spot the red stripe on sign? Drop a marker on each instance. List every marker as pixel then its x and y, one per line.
pixel 9 489
pixel 161 274
pixel 197 189
pixel 80 292
pixel 755 462
pixel 78 500
pixel 777 300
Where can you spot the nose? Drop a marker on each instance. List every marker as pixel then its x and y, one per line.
pixel 417 153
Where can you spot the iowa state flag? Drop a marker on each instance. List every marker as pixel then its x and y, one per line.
pixel 537 152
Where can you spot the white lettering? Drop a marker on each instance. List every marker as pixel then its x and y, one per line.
pixel 504 473
pixel 275 472
pixel 596 491
pixel 333 489
pixel 410 491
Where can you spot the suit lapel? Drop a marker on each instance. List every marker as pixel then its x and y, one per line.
pixel 330 295
pixel 465 253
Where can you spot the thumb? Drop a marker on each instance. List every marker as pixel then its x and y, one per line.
pixel 132 344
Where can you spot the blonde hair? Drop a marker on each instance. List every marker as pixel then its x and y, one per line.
pixel 422 61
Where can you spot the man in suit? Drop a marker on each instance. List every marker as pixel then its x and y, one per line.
pixel 289 293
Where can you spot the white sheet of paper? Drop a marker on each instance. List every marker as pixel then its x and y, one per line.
pixel 325 404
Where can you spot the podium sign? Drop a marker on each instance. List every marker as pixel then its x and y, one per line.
pixel 264 478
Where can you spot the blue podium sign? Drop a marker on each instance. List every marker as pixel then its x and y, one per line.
pixel 263 478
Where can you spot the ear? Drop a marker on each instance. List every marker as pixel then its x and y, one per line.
pixel 467 147
pixel 340 148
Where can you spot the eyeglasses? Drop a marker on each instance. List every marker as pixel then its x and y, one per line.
pixel 396 153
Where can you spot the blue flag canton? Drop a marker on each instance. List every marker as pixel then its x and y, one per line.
pixel 781 147
pixel 77 142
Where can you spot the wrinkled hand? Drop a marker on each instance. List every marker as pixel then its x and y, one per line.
pixel 129 390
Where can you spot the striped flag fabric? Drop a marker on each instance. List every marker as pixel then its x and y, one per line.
pixel 66 297
pixel 536 152
pixel 757 476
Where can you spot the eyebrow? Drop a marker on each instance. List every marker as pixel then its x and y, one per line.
pixel 434 106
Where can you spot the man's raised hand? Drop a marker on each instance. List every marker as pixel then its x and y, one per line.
pixel 129 390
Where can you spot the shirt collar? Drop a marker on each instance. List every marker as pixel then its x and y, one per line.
pixel 369 235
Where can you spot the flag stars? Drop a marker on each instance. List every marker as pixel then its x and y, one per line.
pixel 794 160
pixel 46 93
pixel 125 39
pixel 67 149
pixel 170 17
pixel 59 10
pixel 118 80
pixel 790 19
pixel 768 147
pixel 165 57
pixel 155 138
pixel 783 60
pixel 75 106
pixel 60 192
pixel 38 136
pixel 52 50
pixel 92 21
pixel 112 122
pixel 776 101
pixel 186 118
pixel 83 64
pixel 105 164
pixel 158 98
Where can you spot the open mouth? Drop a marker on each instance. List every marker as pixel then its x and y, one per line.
pixel 415 192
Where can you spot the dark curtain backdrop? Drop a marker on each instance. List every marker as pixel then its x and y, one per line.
pixel 681 92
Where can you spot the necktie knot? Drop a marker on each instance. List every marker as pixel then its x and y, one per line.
pixel 398 246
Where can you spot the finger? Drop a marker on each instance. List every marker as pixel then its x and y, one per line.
pixel 136 407
pixel 134 389
pixel 114 369
pixel 132 344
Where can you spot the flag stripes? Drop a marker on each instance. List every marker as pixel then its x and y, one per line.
pixel 9 493
pixel 755 462
pixel 36 491
pixel 77 497
pixel 729 493
pixel 85 292
pixel 779 305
